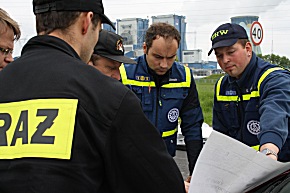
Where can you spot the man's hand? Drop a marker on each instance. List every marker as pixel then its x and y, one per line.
pixel 186 184
pixel 272 147
pixel 188 179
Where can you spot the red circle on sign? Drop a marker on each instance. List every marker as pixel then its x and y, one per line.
pixel 256 33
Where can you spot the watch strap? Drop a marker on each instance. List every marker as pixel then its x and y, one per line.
pixel 267 151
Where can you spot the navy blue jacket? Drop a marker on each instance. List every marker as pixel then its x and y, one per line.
pixel 255 109
pixel 164 100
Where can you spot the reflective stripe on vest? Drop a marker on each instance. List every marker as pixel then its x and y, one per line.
pixel 246 97
pixel 256 147
pixel 127 81
pixel 169 133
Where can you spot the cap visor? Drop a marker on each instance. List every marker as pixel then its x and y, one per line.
pixel 210 52
pixel 122 59
pixel 223 43
pixel 106 20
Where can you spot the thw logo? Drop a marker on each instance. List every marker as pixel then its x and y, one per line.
pixel 219 33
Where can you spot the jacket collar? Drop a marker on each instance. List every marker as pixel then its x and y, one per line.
pixel 49 41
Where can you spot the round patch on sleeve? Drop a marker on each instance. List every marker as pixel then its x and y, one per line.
pixel 173 115
pixel 253 127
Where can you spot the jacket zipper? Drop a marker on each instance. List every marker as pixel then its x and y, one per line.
pixel 158 102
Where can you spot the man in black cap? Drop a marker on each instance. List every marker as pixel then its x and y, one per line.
pixel 252 101
pixel 67 128
pixel 109 54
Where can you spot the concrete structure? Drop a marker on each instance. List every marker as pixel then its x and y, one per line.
pixel 193 59
pixel 133 32
pixel 192 56
pixel 179 23
pixel 246 22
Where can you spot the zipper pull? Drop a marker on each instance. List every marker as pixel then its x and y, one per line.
pixel 160 103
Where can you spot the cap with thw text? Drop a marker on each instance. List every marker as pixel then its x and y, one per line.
pixel 96 6
pixel 227 35
pixel 110 45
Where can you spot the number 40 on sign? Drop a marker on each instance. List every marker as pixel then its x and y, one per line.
pixel 256 33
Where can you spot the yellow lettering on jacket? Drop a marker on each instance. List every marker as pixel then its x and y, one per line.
pixel 40 128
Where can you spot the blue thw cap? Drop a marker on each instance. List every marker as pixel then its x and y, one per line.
pixel 227 35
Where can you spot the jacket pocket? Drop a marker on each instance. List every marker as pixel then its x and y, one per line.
pixel 145 97
pixel 171 144
pixel 178 93
pixel 229 112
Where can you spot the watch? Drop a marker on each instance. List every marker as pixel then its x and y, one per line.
pixel 267 151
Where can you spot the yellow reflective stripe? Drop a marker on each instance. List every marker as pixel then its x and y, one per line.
pixel 139 83
pixel 256 147
pixel 253 94
pixel 218 87
pixel 169 133
pixel 181 84
pixel 245 96
pixel 266 74
pixel 222 97
pixel 227 98
pixel 127 81
pixel 123 73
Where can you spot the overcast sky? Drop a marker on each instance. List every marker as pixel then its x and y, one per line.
pixel 202 18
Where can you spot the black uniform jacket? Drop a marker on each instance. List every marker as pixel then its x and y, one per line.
pixel 66 128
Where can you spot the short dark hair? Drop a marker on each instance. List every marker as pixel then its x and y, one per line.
pixel 164 30
pixel 50 21
pixel 243 42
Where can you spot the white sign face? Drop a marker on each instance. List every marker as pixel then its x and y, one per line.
pixel 256 33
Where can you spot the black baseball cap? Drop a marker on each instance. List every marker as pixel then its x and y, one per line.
pixel 110 45
pixel 96 6
pixel 227 35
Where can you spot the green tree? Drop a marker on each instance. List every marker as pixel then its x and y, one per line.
pixel 276 59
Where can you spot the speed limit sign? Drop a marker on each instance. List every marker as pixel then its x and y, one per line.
pixel 256 33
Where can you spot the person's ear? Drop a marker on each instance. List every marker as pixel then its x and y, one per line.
pixel 248 47
pixel 87 21
pixel 91 63
pixel 144 48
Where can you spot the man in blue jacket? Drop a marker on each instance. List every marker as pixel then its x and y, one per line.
pixel 167 90
pixel 252 101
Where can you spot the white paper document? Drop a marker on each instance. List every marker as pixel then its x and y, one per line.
pixel 226 165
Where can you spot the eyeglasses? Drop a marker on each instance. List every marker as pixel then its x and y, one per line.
pixel 6 51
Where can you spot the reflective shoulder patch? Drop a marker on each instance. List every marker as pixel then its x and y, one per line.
pixel 40 128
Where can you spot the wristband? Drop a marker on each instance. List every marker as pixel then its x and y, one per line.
pixel 267 151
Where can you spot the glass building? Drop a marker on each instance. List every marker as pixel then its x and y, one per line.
pixel 179 23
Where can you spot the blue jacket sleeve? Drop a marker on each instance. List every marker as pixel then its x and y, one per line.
pixel 191 115
pixel 275 108
pixel 191 122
